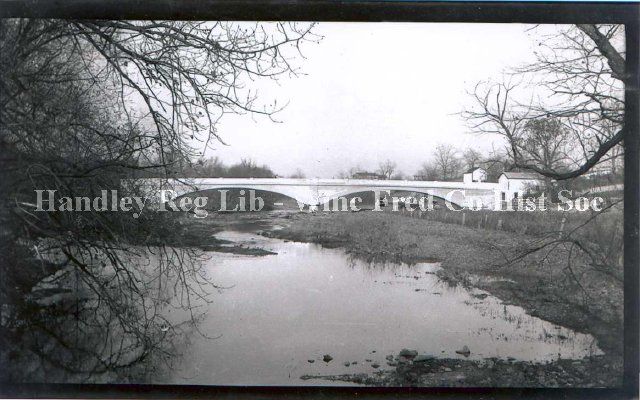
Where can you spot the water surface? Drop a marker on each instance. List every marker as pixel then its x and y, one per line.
pixel 281 311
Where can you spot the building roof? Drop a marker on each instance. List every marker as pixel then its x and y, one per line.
pixel 522 175
pixel 470 170
pixel 364 173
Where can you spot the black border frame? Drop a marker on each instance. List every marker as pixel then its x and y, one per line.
pixel 627 13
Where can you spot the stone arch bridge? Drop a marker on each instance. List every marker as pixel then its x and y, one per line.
pixel 315 192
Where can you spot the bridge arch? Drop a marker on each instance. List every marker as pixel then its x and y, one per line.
pixel 437 194
pixel 300 194
pixel 233 194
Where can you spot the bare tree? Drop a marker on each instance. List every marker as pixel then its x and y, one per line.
pixel 185 74
pixel 495 163
pixel 350 172
pixel 580 74
pixel 471 158
pixel 69 122
pixel 545 142
pixel 429 172
pixel 446 161
pixel 213 167
pixel 248 168
pixel 387 168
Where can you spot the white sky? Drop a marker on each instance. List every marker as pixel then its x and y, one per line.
pixel 374 91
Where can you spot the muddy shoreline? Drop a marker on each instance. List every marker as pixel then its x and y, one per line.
pixel 492 372
pixel 473 264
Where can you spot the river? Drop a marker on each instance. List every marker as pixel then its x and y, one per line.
pixel 282 313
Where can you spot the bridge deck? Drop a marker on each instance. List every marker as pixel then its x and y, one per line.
pixel 319 191
pixel 330 182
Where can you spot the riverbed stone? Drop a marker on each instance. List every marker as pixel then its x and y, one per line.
pixel 326 358
pixel 423 358
pixel 464 351
pixel 406 353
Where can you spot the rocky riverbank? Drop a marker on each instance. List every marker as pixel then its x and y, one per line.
pixel 411 369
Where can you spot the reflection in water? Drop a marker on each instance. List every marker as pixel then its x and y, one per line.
pixel 284 312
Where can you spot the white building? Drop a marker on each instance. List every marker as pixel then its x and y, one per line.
pixel 474 175
pixel 513 185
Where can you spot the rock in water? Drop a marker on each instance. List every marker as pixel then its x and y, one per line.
pixel 311 361
pixel 347 363
pixel 375 365
pixel 326 358
pixel 464 351
pixel 406 353
pixel 423 358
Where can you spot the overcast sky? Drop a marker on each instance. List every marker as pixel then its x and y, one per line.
pixel 374 91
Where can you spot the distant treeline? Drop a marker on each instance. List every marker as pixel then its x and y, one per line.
pixel 212 168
